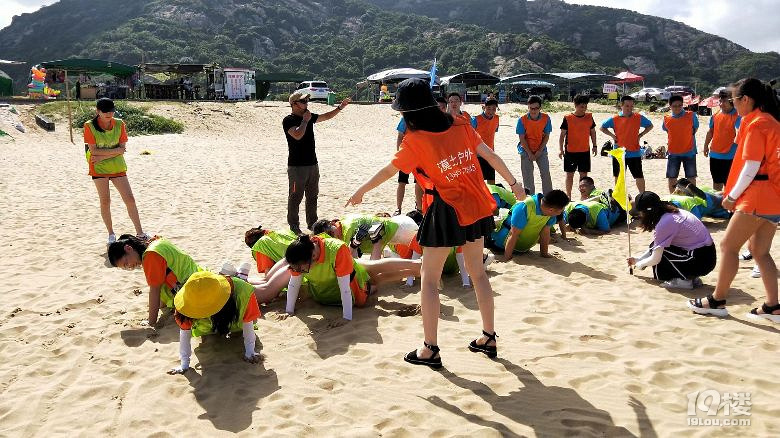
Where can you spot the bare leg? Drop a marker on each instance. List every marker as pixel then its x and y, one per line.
pixel 433 263
pixel 273 285
pixel 671 182
pixel 399 195
pixel 376 251
pixel 569 183
pixel 760 244
pixel 640 184
pixel 472 253
pixel 101 184
pixel 418 194
pixel 740 228
pixel 389 270
pixel 122 185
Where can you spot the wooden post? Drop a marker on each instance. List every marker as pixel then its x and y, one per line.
pixel 70 111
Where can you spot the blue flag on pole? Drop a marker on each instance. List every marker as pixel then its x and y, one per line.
pixel 433 73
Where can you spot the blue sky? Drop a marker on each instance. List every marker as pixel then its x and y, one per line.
pixel 752 24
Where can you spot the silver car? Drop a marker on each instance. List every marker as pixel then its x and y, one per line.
pixel 651 94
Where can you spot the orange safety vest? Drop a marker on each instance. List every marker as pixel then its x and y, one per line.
pixel 534 130
pixel 679 132
pixel 723 132
pixel 627 131
pixel 578 132
pixel 486 128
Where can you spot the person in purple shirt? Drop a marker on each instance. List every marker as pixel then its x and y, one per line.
pixel 682 249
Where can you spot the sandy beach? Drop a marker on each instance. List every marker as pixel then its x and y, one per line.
pixel 585 349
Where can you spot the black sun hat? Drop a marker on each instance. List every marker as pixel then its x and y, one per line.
pixel 413 95
pixel 645 201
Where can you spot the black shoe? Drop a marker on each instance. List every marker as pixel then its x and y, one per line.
pixel 434 361
pixel 490 350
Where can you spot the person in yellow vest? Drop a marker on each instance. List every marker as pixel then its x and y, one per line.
pixel 720 144
pixel 627 125
pixel 334 277
pixel 529 222
pixel 486 125
pixel 165 266
pixel 367 234
pixel 680 127
pixel 211 303
pixel 534 130
pixel 268 249
pixel 105 140
pixel 577 129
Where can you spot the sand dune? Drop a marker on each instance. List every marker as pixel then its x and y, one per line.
pixel 585 349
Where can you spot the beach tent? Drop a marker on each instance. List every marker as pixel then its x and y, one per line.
pixel 565 79
pixel 87 66
pixel 264 81
pixel 6 85
pixel 471 78
pixel 628 77
pixel 398 75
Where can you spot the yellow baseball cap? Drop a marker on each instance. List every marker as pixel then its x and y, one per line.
pixel 204 294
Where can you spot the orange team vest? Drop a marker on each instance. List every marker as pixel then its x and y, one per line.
pixel 534 131
pixel 723 132
pixel 578 132
pixel 627 131
pixel 762 196
pixel 679 131
pixel 487 129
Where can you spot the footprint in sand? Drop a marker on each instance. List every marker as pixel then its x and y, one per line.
pixel 410 310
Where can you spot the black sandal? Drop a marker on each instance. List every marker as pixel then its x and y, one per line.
pixel 697 306
pixel 768 313
pixel 434 361
pixel 490 350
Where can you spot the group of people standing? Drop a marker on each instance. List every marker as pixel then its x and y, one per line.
pixel 451 156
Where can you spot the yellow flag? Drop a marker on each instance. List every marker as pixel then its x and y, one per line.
pixel 619 192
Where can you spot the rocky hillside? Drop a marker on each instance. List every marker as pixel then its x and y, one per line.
pixel 342 41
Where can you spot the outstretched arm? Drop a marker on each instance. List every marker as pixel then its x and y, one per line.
pixel 332 113
pixel 383 175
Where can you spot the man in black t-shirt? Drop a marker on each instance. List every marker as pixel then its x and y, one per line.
pixel 303 173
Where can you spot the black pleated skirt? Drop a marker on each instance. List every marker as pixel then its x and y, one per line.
pixel 440 227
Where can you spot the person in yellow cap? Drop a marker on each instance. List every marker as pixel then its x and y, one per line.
pixel 213 303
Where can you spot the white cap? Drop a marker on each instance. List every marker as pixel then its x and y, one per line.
pixel 245 268
pixel 228 269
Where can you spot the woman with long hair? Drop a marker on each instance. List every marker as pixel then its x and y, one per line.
pixel 682 249
pixel 753 194
pixel 444 150
pixel 334 277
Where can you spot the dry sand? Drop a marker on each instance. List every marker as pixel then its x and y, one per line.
pixel 585 349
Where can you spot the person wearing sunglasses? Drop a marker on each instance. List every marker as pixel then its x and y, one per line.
pixel 534 130
pixel 303 173
pixel 334 277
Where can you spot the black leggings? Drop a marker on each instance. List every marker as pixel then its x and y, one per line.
pixel 677 262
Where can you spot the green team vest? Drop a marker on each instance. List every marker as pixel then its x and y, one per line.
pixel 505 195
pixel 178 262
pixel 351 223
pixel 242 291
pixel 536 222
pixel 594 208
pixel 687 203
pixel 322 280
pixel 273 245
pixel 107 140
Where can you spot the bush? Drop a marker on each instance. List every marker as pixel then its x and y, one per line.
pixel 137 118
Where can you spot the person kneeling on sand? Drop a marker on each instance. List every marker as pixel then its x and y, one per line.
pixel 528 222
pixel 334 277
pixel 367 234
pixel 211 303
pixel 682 249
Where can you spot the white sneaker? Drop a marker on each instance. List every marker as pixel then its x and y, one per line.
pixel 228 269
pixel 487 259
pixel 243 271
pixel 746 256
pixel 678 283
pixel 111 238
pixel 143 236
pixel 755 273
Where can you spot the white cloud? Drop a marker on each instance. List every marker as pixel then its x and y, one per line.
pixel 18 7
pixel 753 26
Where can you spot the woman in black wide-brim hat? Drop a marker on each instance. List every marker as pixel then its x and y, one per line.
pixel 444 150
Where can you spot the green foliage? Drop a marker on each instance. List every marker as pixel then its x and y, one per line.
pixel 137 118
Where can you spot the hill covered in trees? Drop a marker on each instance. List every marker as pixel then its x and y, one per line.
pixel 342 41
